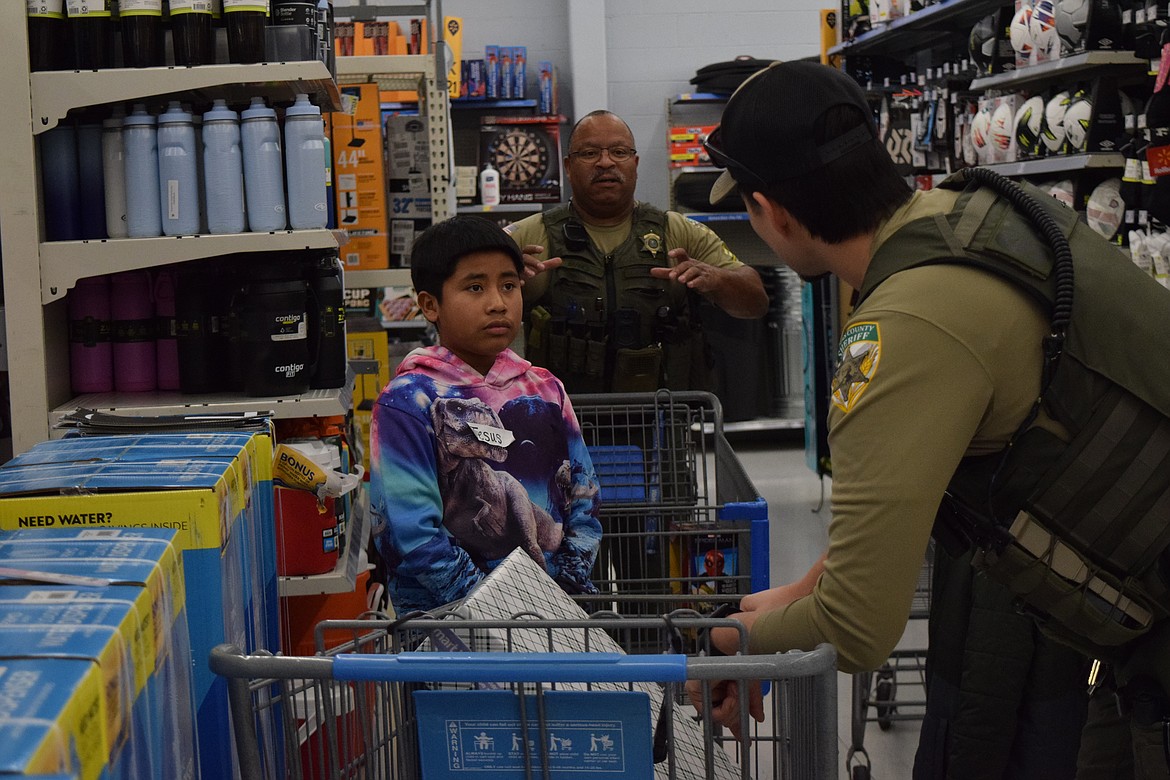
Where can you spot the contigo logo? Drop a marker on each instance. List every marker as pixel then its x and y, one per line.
pixel 289 319
pixel 289 371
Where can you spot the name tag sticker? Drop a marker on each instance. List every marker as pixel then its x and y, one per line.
pixel 488 434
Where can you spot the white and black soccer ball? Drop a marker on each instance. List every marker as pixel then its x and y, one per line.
pixel 1028 122
pixel 1064 191
pixel 982 41
pixel 1106 208
pixel 1020 30
pixel 981 131
pixel 1072 16
pixel 1002 126
pixel 1052 129
pixel 1076 123
pixel 1042 26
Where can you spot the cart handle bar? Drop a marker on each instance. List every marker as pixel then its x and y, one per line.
pixel 510 667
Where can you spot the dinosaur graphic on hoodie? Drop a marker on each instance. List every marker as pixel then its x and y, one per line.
pixel 465 468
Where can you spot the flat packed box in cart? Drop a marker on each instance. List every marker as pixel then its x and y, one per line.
pixel 222 509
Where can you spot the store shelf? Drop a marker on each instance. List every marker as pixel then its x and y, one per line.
pixel 343 578
pixel 387 277
pixel 758 425
pixel 1061 70
pixel 55 93
pixel 64 262
pixel 1062 164
pixel 398 72
pixel 504 208
pixel 700 97
pixel 315 403
pixel 718 216
pixel 919 29
pixel 484 104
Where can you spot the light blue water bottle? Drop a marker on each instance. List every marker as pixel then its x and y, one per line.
pixel 263 168
pixel 178 174
pixel 304 144
pixel 223 170
pixel 140 147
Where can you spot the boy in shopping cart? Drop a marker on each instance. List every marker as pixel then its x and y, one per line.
pixel 475 452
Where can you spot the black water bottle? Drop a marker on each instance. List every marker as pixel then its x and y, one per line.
pixel 298 14
pixel 274 334
pixel 49 44
pixel 197 330
pixel 92 26
pixel 141 22
pixel 327 320
pixel 192 33
pixel 246 21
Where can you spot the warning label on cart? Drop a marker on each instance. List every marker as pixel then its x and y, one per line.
pixel 578 735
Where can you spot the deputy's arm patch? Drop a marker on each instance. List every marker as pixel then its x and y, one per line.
pixel 857 363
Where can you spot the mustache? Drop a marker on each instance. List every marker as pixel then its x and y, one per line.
pixel 609 175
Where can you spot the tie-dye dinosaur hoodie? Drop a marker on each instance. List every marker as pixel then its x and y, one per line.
pixel 465 468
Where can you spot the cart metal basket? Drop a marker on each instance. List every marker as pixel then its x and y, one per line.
pixel 682 524
pixel 372 708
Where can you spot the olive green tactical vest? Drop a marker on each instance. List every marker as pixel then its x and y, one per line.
pixel 611 325
pixel 1079 530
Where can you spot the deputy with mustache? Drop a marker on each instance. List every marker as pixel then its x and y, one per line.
pixel 607 270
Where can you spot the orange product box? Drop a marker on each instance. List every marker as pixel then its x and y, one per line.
pixel 684 154
pixel 690 133
pixel 359 178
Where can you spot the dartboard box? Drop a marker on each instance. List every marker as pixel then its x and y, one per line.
pixel 527 153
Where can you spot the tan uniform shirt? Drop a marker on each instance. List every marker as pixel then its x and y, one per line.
pixel 699 240
pixel 944 362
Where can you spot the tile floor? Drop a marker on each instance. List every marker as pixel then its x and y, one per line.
pixel 775 462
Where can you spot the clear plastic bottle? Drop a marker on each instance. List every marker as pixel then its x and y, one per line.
pixel 263 168
pixel 304 145
pixel 223 170
pixel 140 145
pixel 178 173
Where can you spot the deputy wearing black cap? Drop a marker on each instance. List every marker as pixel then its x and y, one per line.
pixel 937 365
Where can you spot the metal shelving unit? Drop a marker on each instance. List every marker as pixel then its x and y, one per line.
pixel 37 274
pixel 918 30
pixel 1062 69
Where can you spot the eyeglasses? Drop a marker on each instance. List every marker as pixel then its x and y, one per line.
pixel 720 159
pixel 592 154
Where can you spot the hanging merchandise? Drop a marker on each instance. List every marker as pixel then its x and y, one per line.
pixel 192 35
pixel 177 172
pixel 132 328
pixel 246 21
pixel 91 363
pixel 304 143
pixel 223 170
pixel 59 183
pixel 49 44
pixel 141 22
pixel 140 146
pixel 114 175
pixel 263 168
pixel 92 25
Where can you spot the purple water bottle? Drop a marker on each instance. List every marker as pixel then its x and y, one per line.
pixel 166 337
pixel 132 312
pixel 91 366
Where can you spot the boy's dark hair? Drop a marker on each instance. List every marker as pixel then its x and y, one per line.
pixel 439 248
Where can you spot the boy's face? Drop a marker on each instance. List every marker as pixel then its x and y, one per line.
pixel 480 310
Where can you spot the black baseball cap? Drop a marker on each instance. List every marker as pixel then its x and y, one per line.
pixel 769 125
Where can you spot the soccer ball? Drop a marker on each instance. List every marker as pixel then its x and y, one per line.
pixel 1042 27
pixel 1063 191
pixel 1052 129
pixel 981 130
pixel 1106 208
pixel 1071 18
pixel 1020 30
pixel 1028 121
pixel 1002 126
pixel 1076 123
pixel 981 42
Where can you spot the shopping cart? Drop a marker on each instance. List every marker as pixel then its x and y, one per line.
pixel 897 690
pixel 373 707
pixel 682 524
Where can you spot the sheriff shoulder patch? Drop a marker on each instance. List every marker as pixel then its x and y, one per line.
pixel 857 363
